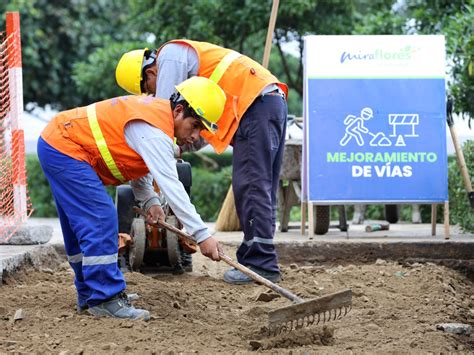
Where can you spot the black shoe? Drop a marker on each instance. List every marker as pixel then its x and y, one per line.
pixel 119 307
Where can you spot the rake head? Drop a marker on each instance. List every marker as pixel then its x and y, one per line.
pixel 324 309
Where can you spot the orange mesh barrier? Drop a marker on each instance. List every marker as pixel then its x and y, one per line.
pixel 15 205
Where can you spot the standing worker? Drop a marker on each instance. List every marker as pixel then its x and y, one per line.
pixel 254 121
pixel 108 143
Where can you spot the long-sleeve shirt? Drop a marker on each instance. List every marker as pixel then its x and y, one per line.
pixel 156 150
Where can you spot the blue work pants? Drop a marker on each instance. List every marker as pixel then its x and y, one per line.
pixel 89 225
pixel 257 157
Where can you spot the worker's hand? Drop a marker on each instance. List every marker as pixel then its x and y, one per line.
pixel 210 248
pixel 155 213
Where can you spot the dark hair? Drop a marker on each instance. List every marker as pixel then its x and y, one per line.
pixel 188 110
pixel 148 53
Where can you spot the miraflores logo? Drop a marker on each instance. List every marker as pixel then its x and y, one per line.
pixel 402 54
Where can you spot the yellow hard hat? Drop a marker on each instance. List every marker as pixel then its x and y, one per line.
pixel 205 97
pixel 129 71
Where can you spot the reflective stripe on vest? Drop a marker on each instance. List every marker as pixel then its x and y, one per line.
pixel 220 69
pixel 101 143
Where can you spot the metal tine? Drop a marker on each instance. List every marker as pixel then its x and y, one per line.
pixel 303 322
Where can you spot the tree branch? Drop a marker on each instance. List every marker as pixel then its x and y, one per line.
pixel 286 68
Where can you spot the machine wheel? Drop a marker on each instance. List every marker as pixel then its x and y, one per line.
pixel 172 244
pixel 322 218
pixel 137 249
pixel 185 175
pixel 124 200
pixel 391 213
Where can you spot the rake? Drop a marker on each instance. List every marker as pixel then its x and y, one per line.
pixel 302 313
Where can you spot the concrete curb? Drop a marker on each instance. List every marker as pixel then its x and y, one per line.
pixel 14 258
pixel 371 251
pixel 30 235
pixel 458 255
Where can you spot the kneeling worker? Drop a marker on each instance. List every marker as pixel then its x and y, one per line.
pixel 111 142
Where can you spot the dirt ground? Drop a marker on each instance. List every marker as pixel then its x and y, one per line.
pixel 395 310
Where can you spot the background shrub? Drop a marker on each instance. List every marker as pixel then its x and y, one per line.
pixel 209 190
pixel 38 188
pixel 459 208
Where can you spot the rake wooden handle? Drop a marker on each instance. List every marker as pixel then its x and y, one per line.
pixel 253 275
pixel 227 259
pixel 257 278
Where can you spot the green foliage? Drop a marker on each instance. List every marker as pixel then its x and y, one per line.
pixel 454 19
pixel 237 24
pixel 208 161
pixel 38 188
pixel 209 190
pixel 100 84
pixel 57 34
pixel 459 208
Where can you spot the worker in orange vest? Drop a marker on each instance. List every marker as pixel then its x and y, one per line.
pixel 108 143
pixel 254 122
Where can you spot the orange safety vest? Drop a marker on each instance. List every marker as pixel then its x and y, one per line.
pixel 95 134
pixel 241 78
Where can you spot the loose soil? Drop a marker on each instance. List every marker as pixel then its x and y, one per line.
pixel 395 310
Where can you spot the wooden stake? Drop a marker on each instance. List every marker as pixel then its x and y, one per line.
pixel 303 217
pixel 446 220
pixel 271 28
pixel 311 221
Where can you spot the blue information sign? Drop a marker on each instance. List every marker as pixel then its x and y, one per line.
pixel 375 126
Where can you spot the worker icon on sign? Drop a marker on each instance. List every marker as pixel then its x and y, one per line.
pixel 355 125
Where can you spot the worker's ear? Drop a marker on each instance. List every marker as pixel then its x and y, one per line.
pixel 151 70
pixel 179 108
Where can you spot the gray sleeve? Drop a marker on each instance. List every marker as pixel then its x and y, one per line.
pixel 144 192
pixel 156 150
pixel 175 63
